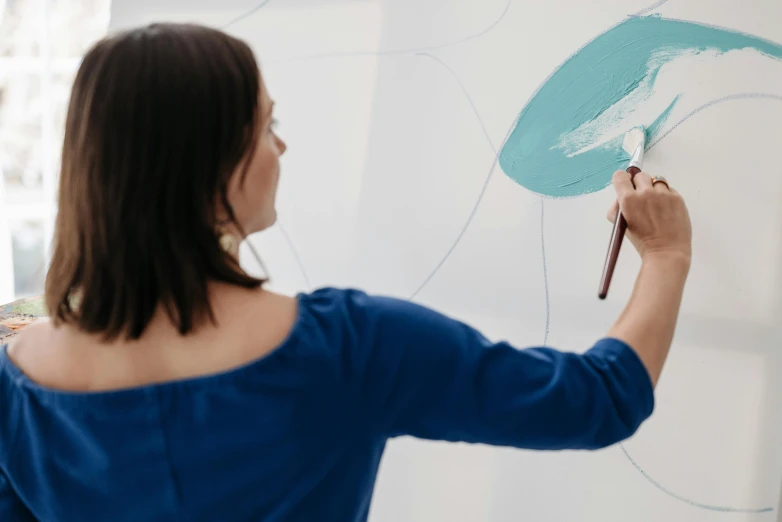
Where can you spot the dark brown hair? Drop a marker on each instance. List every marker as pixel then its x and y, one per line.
pixel 159 119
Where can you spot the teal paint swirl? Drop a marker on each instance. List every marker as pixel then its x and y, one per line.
pixel 547 151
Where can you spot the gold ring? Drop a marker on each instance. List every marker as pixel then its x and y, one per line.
pixel 660 179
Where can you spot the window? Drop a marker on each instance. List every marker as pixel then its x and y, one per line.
pixel 41 45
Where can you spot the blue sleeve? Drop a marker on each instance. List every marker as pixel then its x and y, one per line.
pixel 420 373
pixel 11 507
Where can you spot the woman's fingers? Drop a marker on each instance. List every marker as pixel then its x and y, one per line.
pixel 642 181
pixel 613 211
pixel 623 183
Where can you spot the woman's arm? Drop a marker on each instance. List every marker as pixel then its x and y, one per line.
pixel 659 228
pixel 416 372
pixel 648 322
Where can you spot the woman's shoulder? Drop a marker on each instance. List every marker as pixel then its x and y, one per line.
pixel 362 313
pixel 357 304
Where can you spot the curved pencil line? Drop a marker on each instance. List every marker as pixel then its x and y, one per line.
pixel 545 269
pixel 485 183
pixel 295 253
pixel 257 256
pixel 392 52
pixel 732 97
pixel 245 15
pixel 650 8
pixel 467 95
pixel 461 232
pixel 710 507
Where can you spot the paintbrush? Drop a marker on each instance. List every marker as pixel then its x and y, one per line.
pixel 633 144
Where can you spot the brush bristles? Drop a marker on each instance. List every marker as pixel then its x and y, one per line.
pixel 633 138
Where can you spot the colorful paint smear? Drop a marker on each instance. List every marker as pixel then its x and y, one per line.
pixel 17 315
pixel 552 151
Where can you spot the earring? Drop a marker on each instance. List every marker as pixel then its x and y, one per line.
pixel 230 244
pixel 228 241
pixel 74 300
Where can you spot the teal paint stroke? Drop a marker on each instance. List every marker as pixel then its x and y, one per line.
pixel 551 149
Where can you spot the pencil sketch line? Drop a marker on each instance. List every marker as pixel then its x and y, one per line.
pixel 732 97
pixel 545 269
pixel 722 509
pixel 413 50
pixel 461 232
pixel 476 35
pixel 246 14
pixel 485 183
pixel 257 256
pixel 650 8
pixel 466 95
pixel 295 253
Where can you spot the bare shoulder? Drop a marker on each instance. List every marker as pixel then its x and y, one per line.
pixel 33 349
pixel 268 314
pixel 24 322
pixel 249 324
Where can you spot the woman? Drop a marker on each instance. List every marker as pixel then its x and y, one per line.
pixel 170 385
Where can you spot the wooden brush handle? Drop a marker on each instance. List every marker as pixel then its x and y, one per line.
pixel 617 235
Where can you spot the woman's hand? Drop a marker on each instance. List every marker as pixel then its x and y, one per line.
pixel 657 218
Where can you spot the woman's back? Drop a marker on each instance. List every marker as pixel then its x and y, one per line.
pixel 298 433
pixel 222 426
pixel 249 323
